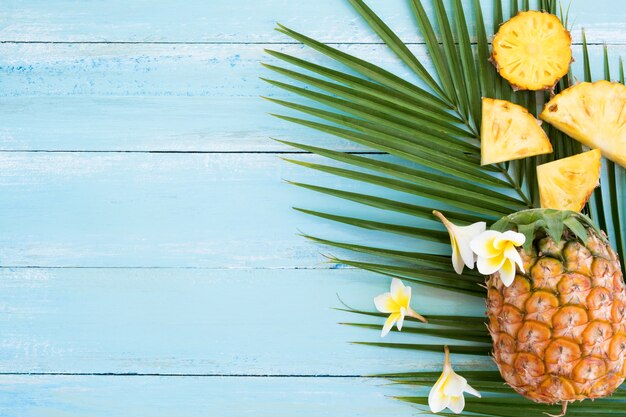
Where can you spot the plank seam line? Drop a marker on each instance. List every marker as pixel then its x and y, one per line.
pixel 234 43
pixel 201 268
pixel 183 152
pixel 173 375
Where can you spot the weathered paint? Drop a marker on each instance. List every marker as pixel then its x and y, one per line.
pixel 186 265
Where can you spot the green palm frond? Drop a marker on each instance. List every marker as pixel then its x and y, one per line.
pixel 463 322
pixel 427 155
pixel 430 133
pixel 459 349
pixel 458 334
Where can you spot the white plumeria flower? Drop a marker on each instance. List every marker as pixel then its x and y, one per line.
pixel 497 252
pixel 396 302
pixel 460 238
pixel 448 390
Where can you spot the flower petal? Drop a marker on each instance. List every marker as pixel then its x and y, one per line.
pixel 455 384
pixel 391 320
pixel 403 297
pixel 483 244
pixel 460 237
pixel 437 400
pixel 457 258
pixel 472 391
pixel 396 286
pixel 464 237
pixel 401 318
pixel 488 266
pixel 512 254
pixel 386 304
pixel 474 229
pixel 457 404
pixel 466 253
pixel 518 239
pixel 507 272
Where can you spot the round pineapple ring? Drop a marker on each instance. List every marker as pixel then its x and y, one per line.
pixel 532 51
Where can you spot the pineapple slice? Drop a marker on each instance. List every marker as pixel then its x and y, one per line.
pixel 567 184
pixel 509 132
pixel 594 114
pixel 532 51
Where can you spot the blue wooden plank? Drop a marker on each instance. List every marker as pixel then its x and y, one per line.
pixel 149 123
pixel 151 209
pixel 158 97
pixel 146 97
pixel 240 20
pixel 72 396
pixel 205 321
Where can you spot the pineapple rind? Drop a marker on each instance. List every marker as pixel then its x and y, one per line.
pixel 509 131
pixel 532 51
pixel 594 114
pixel 559 330
pixel 567 184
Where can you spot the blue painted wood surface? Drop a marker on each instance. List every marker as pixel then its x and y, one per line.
pixel 145 227
pixel 198 321
pixel 162 97
pixel 243 21
pixel 132 396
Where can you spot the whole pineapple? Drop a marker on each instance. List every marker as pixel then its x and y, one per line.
pixel 559 330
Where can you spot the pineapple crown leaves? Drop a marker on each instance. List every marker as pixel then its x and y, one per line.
pixel 552 222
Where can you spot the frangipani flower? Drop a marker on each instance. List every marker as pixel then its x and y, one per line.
pixel 448 390
pixel 497 252
pixel 396 302
pixel 460 238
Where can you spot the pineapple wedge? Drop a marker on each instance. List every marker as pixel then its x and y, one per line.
pixel 567 184
pixel 532 51
pixel 594 114
pixel 509 131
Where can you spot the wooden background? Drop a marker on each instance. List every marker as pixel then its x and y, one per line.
pixel 150 262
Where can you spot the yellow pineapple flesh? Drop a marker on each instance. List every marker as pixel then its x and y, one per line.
pixel 559 330
pixel 509 131
pixel 594 114
pixel 532 51
pixel 567 184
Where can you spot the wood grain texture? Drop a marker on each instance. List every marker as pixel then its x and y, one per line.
pixel 168 210
pixel 161 97
pixel 204 322
pixel 80 396
pixel 242 21
pixel 121 255
pixel 147 97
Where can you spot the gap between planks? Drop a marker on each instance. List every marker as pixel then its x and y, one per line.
pixel 204 268
pixel 182 152
pixel 240 43
pixel 172 375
